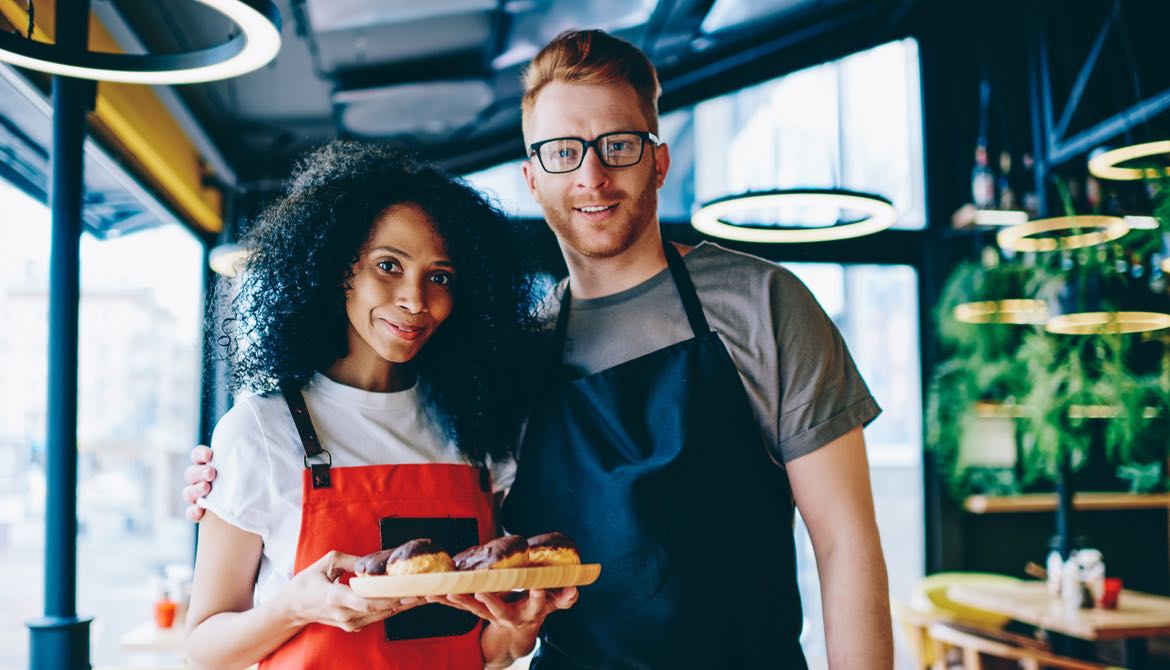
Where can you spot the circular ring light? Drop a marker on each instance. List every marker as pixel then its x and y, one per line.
pixel 1021 237
pixel 1105 165
pixel 1094 323
pixel 1017 311
pixel 254 46
pixel 879 215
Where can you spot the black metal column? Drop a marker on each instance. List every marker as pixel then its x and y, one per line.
pixel 214 398
pixel 60 640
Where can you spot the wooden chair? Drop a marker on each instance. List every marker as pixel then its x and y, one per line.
pixel 973 648
pixel 915 624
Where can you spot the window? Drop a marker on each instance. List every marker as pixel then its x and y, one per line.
pixel 505 185
pixel 854 123
pixel 137 419
pixel 876 309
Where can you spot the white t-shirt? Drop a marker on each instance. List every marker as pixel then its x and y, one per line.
pixel 259 459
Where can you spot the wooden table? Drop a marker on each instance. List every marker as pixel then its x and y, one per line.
pixel 146 636
pixel 1139 616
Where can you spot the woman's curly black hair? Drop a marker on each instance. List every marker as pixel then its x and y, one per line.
pixel 286 317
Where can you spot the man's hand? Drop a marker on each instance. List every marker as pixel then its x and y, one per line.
pixel 524 612
pixel 199 477
pixel 514 619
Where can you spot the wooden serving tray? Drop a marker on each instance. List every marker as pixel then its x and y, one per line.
pixel 475 581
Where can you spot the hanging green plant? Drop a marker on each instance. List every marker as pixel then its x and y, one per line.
pixel 1065 391
pixel 983 366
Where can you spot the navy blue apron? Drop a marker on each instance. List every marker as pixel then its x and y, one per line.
pixel 658 469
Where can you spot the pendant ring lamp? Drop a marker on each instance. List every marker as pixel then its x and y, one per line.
pixel 1084 231
pixel 879 214
pixel 253 46
pixel 1106 165
pixel 1012 310
pixel 1113 323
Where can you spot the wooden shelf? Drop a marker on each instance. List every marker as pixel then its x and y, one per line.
pixel 1046 502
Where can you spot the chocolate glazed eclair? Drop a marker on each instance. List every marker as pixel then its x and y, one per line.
pixel 509 551
pixel 411 558
pixel 552 549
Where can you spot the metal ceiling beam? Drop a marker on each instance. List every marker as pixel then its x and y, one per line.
pixel 1052 147
pixel 1078 89
pixel 772 54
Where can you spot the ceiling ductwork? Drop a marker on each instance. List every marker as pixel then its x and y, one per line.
pixel 394 110
pixel 355 34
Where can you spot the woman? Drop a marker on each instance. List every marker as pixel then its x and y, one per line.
pixel 380 320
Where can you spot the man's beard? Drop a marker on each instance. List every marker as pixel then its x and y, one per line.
pixel 632 220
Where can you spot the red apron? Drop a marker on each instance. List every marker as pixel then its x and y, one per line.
pixel 360 510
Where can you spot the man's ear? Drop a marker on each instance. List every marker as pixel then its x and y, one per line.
pixel 529 173
pixel 661 163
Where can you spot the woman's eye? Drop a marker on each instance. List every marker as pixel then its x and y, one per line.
pixel 441 278
pixel 388 266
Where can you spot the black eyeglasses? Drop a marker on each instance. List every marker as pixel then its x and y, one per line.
pixel 616 150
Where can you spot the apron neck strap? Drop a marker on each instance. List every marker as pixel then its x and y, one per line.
pixel 682 283
pixel 686 290
pixel 309 440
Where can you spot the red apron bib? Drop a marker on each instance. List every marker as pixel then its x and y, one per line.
pixel 357 510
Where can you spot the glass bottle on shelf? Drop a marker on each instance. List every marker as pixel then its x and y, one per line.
pixel 1055 567
pixel 1006 194
pixel 982 181
pixel 1030 200
pixel 1076 196
pixel 1093 194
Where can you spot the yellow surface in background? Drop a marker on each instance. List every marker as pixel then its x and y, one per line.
pixel 930 597
pixel 134 122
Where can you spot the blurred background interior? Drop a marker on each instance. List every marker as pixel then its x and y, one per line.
pixel 968 116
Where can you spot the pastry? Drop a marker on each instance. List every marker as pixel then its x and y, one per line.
pixel 509 551
pixel 552 549
pixel 411 558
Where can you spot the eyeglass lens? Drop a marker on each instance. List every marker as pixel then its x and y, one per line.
pixel 618 150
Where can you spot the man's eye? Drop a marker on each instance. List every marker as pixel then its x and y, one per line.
pixel 618 147
pixel 567 153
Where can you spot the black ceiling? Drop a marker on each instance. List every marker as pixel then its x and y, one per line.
pixel 443 75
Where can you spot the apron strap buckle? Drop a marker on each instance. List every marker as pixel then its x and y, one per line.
pixel 309 440
pixel 320 472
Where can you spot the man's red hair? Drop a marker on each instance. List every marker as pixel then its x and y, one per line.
pixel 593 57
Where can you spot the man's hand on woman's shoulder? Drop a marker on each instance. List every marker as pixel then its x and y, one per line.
pixel 199 476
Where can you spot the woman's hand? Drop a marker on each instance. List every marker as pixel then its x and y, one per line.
pixel 315 596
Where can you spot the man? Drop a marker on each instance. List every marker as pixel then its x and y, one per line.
pixel 697 394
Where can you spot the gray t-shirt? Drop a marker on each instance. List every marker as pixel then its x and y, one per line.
pixel 802 384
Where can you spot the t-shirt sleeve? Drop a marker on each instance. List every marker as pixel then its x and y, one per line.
pixel 241 494
pixel 822 395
